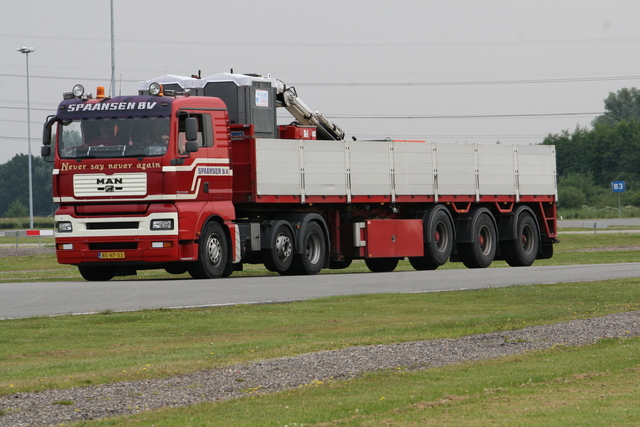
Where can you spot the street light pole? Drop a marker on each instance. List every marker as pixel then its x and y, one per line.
pixel 27 51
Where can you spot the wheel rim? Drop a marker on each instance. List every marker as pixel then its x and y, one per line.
pixel 441 237
pixel 283 247
pixel 485 241
pixel 312 249
pixel 527 239
pixel 214 250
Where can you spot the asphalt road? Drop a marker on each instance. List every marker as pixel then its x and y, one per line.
pixel 56 298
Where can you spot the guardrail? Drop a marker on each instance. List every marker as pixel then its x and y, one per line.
pixel 28 233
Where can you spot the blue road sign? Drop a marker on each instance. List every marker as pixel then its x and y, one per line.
pixel 617 186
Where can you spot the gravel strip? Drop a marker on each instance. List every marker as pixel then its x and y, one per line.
pixel 26 250
pixel 109 400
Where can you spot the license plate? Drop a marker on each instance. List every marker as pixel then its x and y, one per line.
pixel 111 255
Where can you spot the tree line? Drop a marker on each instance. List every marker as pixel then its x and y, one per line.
pixel 589 159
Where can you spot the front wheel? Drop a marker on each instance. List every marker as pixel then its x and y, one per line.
pixel 212 253
pixel 97 273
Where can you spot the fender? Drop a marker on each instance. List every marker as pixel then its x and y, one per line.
pixel 508 223
pixel 427 218
pixel 466 222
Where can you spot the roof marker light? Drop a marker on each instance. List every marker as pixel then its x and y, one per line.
pixel 155 89
pixel 78 91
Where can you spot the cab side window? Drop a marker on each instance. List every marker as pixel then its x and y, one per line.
pixel 205 134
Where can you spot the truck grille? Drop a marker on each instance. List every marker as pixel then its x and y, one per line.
pixel 109 246
pixel 120 184
pixel 113 225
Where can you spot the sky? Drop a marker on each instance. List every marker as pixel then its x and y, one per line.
pixel 442 71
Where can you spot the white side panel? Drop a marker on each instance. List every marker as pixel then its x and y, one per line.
pixel 370 168
pixel 456 169
pixel 325 170
pixel 537 169
pixel 277 167
pixel 496 169
pixel 413 168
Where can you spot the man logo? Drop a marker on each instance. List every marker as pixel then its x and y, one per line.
pixel 108 184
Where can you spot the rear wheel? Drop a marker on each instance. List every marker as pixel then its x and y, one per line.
pixel 97 273
pixel 438 241
pixel 522 251
pixel 314 249
pixel 280 255
pixel 212 253
pixel 381 265
pixel 480 253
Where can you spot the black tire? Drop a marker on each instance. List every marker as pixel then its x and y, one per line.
pixel 177 268
pixel 438 241
pixel 481 252
pixel 212 253
pixel 97 273
pixel 421 263
pixel 279 257
pixel 314 251
pixel 339 265
pixel 381 265
pixel 522 251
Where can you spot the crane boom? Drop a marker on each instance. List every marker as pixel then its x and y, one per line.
pixel 288 98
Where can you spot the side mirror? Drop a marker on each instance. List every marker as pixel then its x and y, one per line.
pixel 191 128
pixel 191 146
pixel 46 134
pixel 45 150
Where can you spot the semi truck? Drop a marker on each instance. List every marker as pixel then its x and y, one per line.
pixel 196 175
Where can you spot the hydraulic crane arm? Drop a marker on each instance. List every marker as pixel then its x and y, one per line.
pixel 288 98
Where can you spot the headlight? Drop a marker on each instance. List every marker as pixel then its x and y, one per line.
pixel 162 224
pixel 64 227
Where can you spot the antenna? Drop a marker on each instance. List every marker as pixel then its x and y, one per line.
pixel 112 89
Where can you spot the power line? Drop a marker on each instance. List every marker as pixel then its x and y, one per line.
pixel 386 84
pixel 307 45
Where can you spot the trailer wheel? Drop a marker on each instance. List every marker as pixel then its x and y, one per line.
pixel 522 251
pixel 341 264
pixel 280 255
pixel 212 253
pixel 480 253
pixel 314 251
pixel 381 265
pixel 438 242
pixel 97 273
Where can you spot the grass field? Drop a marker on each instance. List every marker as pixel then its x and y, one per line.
pixel 591 385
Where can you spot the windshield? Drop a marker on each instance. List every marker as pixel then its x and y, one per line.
pixel 114 138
